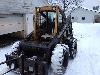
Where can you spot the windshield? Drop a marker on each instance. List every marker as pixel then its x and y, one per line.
pixel 47 21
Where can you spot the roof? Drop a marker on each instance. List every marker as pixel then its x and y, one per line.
pixel 70 11
pixel 89 9
pixel 89 4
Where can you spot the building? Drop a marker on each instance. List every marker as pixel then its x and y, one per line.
pixel 83 15
pixel 17 16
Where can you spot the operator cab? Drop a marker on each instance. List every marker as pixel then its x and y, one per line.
pixel 49 20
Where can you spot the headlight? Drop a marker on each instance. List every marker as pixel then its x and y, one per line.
pixel 54 8
pixel 38 9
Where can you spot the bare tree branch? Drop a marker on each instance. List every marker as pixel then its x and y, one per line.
pixel 71 4
pixel 67 4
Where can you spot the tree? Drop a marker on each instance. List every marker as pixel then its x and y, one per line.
pixel 71 4
pixel 96 8
pixel 66 4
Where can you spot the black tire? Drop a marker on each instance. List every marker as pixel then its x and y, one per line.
pixel 73 51
pixel 43 68
pixel 66 58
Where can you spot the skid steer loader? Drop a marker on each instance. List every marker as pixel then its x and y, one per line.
pixel 49 45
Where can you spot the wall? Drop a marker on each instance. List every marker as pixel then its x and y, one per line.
pixel 29 23
pixel 26 7
pixel 97 18
pixel 11 23
pixel 20 6
pixel 79 13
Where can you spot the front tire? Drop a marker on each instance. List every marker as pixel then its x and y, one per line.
pixel 59 59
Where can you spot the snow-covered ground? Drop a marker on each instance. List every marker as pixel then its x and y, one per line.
pixel 87 61
pixel 3 51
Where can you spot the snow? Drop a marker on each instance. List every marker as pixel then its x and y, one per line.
pixel 7 50
pixel 87 61
pixel 3 51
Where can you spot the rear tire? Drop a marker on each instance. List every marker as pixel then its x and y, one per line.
pixel 73 51
pixel 65 61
